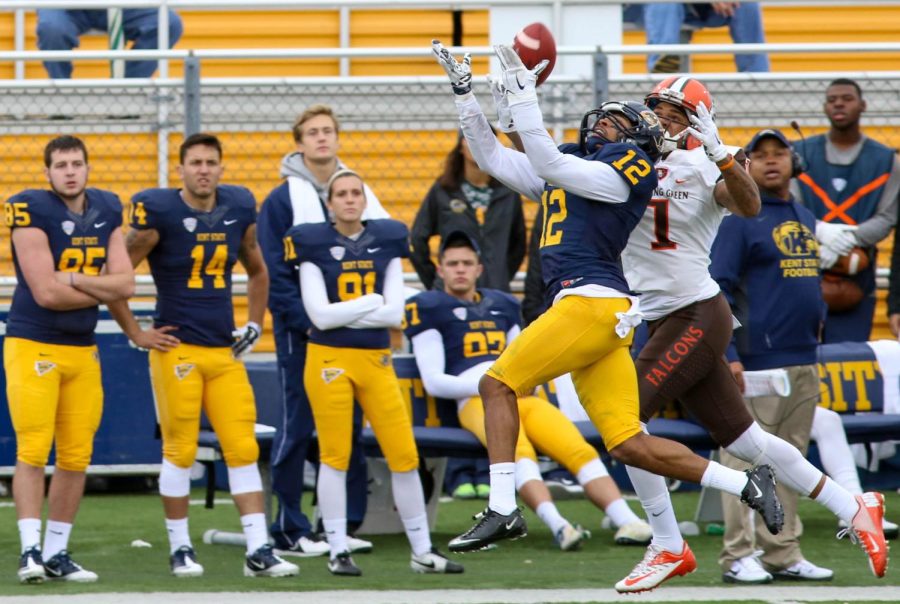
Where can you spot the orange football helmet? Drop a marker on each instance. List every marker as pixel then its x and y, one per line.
pixel 684 92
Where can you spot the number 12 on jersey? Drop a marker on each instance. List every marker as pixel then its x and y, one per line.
pixel 553 205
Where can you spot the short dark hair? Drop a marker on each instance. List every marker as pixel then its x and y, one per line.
pixel 846 82
pixel 65 142
pixel 458 239
pixel 200 138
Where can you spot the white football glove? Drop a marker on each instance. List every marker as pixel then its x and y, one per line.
pixel 460 74
pixel 706 131
pixel 501 103
pixel 245 339
pixel 518 81
pixel 827 257
pixel 841 238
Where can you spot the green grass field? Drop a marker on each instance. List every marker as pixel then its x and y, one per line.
pixel 108 523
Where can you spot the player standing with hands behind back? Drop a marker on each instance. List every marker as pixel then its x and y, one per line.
pixel 192 238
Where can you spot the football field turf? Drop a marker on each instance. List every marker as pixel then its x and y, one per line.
pixel 108 523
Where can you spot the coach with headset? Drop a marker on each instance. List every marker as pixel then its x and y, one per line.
pixel 768 268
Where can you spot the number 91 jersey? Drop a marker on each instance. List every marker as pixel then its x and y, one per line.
pixel 192 262
pixel 351 268
pixel 78 244
pixel 473 332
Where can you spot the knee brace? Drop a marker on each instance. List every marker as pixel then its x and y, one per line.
pixel 591 471
pixel 751 445
pixel 526 471
pixel 174 481
pixel 244 479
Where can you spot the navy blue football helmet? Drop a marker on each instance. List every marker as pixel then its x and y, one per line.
pixel 645 131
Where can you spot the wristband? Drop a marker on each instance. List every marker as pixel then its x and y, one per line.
pixel 726 165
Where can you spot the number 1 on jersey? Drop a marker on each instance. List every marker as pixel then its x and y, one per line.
pixel 215 268
pixel 661 225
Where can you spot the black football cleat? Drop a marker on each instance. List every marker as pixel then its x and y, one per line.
pixel 491 527
pixel 344 566
pixel 759 495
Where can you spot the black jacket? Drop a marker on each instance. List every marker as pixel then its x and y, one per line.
pixel 501 237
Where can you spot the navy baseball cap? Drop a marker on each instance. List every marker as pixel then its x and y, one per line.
pixel 768 133
pixel 459 236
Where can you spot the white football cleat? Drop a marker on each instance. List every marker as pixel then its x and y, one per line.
pixel 434 562
pixel 634 533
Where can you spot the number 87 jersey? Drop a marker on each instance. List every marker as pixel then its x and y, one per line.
pixel 192 261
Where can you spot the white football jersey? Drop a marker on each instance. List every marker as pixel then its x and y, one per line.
pixel 667 256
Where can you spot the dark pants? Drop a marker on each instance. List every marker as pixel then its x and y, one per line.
pixel 291 446
pixel 684 360
pixel 461 470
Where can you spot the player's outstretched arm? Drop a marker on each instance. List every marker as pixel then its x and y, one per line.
pixel 389 314
pixel 116 282
pixel 36 263
pixel 331 315
pixel 504 164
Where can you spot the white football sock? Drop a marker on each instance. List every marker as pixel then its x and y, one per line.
pixel 756 446
pixel 30 533
pixel 56 538
pixel 255 531
pixel 178 534
pixel 410 501
pixel 620 514
pixel 837 499
pixel 503 488
pixel 654 495
pixel 331 490
pixel 834 450
pixel 725 479
pixel 550 516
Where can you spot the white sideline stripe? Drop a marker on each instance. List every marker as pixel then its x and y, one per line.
pixel 222 501
pixel 767 593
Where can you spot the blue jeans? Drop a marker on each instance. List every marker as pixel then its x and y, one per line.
pixel 59 29
pixel 662 23
pixel 291 446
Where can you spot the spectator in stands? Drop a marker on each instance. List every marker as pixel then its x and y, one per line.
pixel 300 199
pixel 53 385
pixel 663 22
pixel 850 183
pixel 192 237
pixel 768 269
pixel 467 198
pixel 60 29
pixel 351 277
pixel 457 334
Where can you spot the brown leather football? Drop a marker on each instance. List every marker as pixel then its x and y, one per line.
pixel 839 292
pixel 854 262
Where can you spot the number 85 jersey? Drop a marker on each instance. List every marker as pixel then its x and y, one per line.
pixel 192 262
pixel 351 268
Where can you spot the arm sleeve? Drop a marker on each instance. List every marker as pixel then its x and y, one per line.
pixel 330 315
pixel 390 314
pixel 510 167
pixel 422 230
pixel 274 220
pixel 879 226
pixel 591 179
pixel 429 351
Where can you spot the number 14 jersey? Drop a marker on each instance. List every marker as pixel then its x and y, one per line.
pixel 667 256
pixel 191 264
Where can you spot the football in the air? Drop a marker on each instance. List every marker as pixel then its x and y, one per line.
pixel 857 260
pixel 533 44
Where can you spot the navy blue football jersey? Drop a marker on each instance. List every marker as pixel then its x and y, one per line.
pixel 192 262
pixel 473 332
pixel 582 239
pixel 352 268
pixel 78 243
